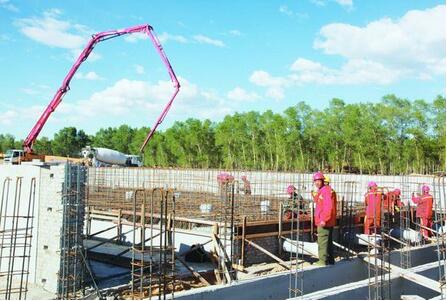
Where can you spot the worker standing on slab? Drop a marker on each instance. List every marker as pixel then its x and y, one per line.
pixel 373 199
pixel 325 218
pixel 397 203
pixel 397 200
pixel 424 210
pixel 247 185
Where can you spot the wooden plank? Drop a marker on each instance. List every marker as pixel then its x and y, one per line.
pixel 191 270
pixel 215 256
pixel 244 223
pixel 291 242
pixel 395 239
pixel 130 248
pixel 106 241
pixel 312 230
pixel 119 227
pixel 102 231
pixel 344 248
pixel 279 260
pixel 280 220
pixel 419 279
pixel 224 259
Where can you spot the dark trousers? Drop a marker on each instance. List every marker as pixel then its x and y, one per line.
pixel 325 245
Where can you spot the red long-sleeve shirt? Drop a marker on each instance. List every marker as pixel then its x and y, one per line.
pixel 326 206
pixel 424 205
pixel 373 201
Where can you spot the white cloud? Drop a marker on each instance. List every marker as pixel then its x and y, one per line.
pixel 344 2
pixel 415 43
pixel 29 91
pixel 275 85
pixel 353 72
pixel 113 105
pixel 125 96
pixel 91 75
pixel 319 2
pixel 164 37
pixel 134 37
pixel 380 53
pixel 285 10
pixel 13 116
pixel 6 4
pixel 36 89
pixel 51 31
pixel 8 117
pixel 139 69
pixel 207 40
pixel 235 33
pixel 210 95
pixel 239 94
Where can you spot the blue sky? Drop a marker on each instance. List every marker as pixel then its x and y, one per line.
pixel 229 56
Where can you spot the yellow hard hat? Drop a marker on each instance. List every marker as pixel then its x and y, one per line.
pixel 327 179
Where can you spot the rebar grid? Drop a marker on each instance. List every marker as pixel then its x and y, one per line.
pixel 201 197
pixel 16 229
pixel 153 266
pixel 296 210
pixel 199 194
pixel 72 253
pixel 439 222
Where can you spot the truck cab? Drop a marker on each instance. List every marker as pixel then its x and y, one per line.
pixel 134 161
pixel 13 156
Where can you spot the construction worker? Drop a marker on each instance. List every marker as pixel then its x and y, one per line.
pixel 247 185
pixel 325 218
pixel 295 202
pixel 390 201
pixel 397 200
pixel 373 199
pixel 424 210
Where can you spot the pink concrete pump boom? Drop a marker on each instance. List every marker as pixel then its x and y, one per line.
pixel 65 87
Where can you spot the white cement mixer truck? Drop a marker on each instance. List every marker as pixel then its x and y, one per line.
pixel 105 157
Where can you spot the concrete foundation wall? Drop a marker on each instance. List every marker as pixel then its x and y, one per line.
pixel 49 227
pixel 48 215
pixel 276 286
pixel 419 255
pixel 347 279
pixel 399 286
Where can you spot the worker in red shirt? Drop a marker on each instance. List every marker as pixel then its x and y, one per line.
pixel 391 201
pixel 424 210
pixel 373 200
pixel 325 218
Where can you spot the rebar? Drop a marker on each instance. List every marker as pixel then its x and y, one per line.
pixel 16 230
pixel 72 266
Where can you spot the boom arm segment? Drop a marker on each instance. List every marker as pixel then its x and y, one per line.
pixel 65 87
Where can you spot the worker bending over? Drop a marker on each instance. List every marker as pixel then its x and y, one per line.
pixel 373 202
pixel 424 210
pixel 325 218
pixel 295 204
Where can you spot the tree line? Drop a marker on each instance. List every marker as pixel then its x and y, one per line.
pixel 392 136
